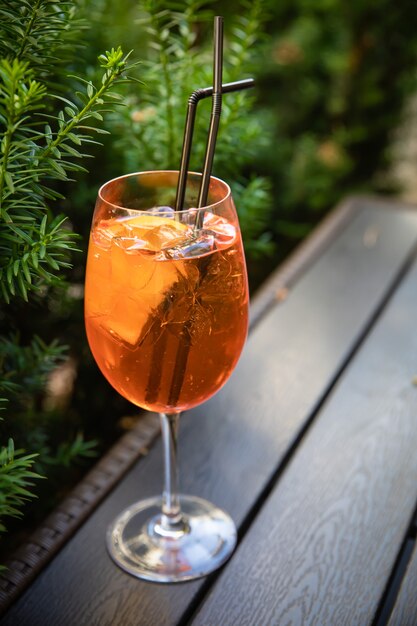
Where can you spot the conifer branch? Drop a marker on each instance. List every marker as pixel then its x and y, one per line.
pixel 16 481
pixel 39 147
pixel 36 251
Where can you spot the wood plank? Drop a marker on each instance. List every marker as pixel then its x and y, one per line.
pixel 405 609
pixel 323 546
pixel 239 437
pixel 306 252
pixel 314 245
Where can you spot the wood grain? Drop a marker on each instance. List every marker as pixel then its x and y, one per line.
pixel 231 446
pixel 323 546
pixel 305 254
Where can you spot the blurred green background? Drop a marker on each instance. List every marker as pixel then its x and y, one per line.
pixel 334 84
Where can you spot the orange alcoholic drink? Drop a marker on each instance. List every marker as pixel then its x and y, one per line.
pixel 166 307
pixel 166 310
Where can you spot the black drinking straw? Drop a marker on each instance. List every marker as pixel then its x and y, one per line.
pixel 193 100
pixel 214 119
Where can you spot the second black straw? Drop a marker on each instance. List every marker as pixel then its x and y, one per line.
pixel 216 93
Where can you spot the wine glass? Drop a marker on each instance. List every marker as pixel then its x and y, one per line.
pixel 166 311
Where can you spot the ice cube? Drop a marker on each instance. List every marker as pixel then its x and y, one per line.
pixel 141 284
pixel 166 236
pixel 105 232
pixel 132 267
pixel 130 244
pixel 196 246
pixel 224 232
pixel 126 320
pixel 119 264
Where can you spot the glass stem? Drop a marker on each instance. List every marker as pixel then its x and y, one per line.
pixel 171 519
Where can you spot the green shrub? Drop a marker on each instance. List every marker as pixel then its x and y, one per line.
pixel 44 135
pixel 16 481
pixel 335 81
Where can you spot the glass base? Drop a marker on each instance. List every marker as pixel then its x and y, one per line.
pixel 202 541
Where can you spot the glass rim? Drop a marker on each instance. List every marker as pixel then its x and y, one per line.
pixel 228 191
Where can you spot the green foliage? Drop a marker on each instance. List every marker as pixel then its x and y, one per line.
pixel 25 373
pixel 16 481
pixel 68 451
pixel 25 368
pixel 335 80
pixel 42 32
pixel 45 134
pixel 34 154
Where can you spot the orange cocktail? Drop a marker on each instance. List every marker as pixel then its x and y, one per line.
pixel 166 308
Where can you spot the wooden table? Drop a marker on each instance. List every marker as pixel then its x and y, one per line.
pixel 311 447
